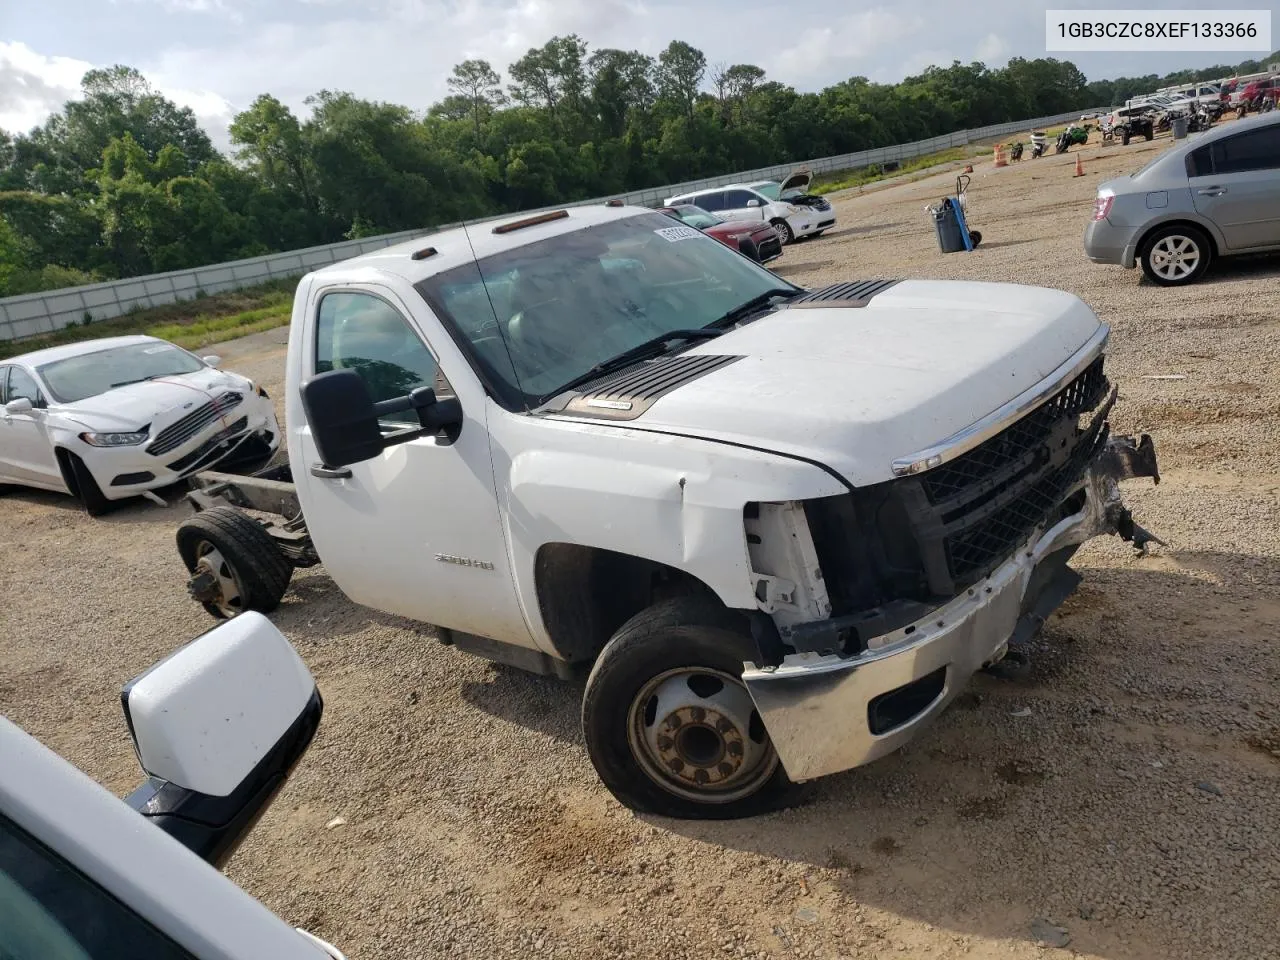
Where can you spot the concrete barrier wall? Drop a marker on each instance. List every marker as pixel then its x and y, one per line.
pixel 36 313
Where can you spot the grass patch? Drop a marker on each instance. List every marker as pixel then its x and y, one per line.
pixel 844 179
pixel 190 323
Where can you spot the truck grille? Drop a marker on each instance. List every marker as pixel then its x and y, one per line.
pixel 925 538
pixel 178 433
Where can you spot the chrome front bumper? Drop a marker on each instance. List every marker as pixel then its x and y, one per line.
pixel 817 709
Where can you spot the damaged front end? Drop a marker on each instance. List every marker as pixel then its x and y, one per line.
pixel 897 593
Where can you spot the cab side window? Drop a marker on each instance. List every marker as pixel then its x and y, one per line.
pixel 49 910
pixel 364 333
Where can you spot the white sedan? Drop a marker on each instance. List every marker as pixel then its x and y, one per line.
pixel 114 418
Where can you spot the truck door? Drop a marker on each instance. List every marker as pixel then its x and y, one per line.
pixel 415 531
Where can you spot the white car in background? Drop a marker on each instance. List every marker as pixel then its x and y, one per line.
pixel 792 212
pixel 114 418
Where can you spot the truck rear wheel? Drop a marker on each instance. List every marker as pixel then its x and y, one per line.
pixel 234 564
pixel 669 726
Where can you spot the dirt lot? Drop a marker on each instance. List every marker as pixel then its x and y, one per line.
pixel 1127 793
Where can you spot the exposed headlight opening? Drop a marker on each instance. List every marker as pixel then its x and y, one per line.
pixel 114 439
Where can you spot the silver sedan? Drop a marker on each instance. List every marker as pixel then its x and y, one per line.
pixel 1214 195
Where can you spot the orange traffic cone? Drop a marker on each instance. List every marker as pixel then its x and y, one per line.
pixel 1000 160
pixel 1079 167
pixel 968 168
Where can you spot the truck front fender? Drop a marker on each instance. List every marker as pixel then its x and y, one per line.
pixel 669 500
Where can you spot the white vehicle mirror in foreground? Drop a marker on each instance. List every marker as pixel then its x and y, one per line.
pixel 21 405
pixel 212 360
pixel 218 726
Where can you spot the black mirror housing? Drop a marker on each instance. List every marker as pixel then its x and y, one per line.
pixel 343 418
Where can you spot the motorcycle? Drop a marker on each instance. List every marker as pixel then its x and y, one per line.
pixel 1015 153
pixel 1072 135
pixel 1038 144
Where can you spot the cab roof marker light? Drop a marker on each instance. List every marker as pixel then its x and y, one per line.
pixel 532 221
pixel 423 253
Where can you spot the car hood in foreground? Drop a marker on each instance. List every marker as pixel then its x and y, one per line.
pixel 857 387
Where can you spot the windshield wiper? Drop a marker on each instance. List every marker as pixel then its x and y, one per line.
pixel 641 351
pixel 755 303
pixel 125 383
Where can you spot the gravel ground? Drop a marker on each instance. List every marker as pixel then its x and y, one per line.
pixel 1119 803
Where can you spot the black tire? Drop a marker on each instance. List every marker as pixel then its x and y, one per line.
pixel 684 633
pixel 785 233
pixel 1125 137
pixel 83 485
pixel 975 237
pixel 250 560
pixel 1149 134
pixel 1168 238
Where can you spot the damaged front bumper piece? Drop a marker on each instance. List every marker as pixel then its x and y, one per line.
pixel 830 713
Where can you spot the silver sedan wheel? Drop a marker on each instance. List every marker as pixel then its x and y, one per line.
pixel 1175 257
pixel 695 731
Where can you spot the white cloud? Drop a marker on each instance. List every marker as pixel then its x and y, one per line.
pixel 33 85
pixel 845 45
pixel 992 51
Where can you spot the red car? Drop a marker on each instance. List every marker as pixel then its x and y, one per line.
pixel 753 238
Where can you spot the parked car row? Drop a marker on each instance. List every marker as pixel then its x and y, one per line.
pixel 792 211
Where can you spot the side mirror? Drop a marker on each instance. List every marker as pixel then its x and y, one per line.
pixel 217 727
pixel 747 247
pixel 753 203
pixel 21 405
pixel 344 418
pixel 212 360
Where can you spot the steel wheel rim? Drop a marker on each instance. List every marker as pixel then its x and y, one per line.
pixel 230 599
pixel 695 732
pixel 1174 257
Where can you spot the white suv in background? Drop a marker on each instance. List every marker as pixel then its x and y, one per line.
pixel 792 217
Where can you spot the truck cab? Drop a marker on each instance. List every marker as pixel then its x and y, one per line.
pixel 779 527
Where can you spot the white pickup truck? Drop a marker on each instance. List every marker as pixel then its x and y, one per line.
pixel 780 527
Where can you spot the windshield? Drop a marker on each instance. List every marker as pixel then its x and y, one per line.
pixel 548 312
pixel 696 217
pixel 770 189
pixel 90 374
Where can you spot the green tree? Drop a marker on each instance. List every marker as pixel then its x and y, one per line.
pixel 679 75
pixel 479 86
pixel 272 142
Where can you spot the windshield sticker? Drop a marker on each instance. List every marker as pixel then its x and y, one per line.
pixel 672 234
pixel 151 350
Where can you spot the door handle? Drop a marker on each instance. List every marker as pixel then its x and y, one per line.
pixel 1212 191
pixel 329 473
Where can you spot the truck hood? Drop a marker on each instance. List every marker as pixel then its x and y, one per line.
pixel 138 404
pixel 855 388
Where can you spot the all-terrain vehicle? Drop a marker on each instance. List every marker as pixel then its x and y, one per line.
pixel 1130 122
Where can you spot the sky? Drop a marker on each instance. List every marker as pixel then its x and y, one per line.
pixel 216 56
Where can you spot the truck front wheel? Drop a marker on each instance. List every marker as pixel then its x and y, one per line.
pixel 669 726
pixel 234 564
